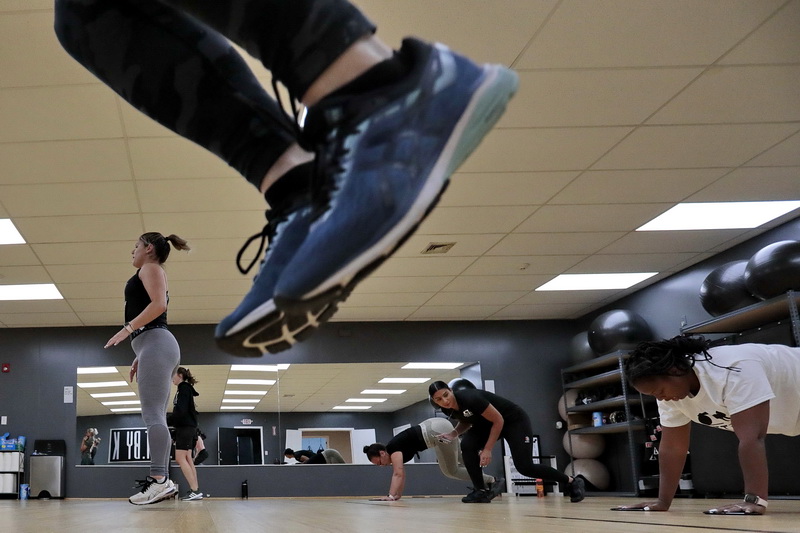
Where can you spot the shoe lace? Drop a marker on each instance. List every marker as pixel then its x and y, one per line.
pixel 274 219
pixel 144 484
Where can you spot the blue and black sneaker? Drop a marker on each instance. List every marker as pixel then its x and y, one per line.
pixel 257 326
pixel 384 157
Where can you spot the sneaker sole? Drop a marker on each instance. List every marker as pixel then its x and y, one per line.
pixel 167 495
pixel 275 332
pixel 487 105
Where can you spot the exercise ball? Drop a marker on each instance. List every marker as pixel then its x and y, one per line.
pixel 571 397
pixel 593 470
pixel 774 269
pixel 580 349
pixel 619 329
pixel 584 446
pixel 724 289
pixel 461 384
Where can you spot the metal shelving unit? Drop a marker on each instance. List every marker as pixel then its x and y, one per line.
pixel 12 465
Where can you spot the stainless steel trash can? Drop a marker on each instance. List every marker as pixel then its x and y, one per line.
pixel 47 469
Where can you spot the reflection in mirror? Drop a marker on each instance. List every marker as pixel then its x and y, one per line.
pixel 105 396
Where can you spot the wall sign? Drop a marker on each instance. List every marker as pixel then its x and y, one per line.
pixel 127 445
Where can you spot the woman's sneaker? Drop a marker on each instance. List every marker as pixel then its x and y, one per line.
pixel 478 496
pixel 192 496
pixel 151 491
pixel 577 489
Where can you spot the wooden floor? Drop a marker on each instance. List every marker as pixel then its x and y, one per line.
pixel 508 514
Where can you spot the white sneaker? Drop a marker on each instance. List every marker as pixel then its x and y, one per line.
pixel 152 491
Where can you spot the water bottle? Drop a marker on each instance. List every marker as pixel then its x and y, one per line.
pixel 539 488
pixel 244 490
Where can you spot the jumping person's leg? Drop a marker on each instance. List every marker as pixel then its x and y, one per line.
pixel 448 455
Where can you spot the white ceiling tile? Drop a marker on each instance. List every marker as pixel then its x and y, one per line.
pixel 540 312
pixel 465 245
pixel 585 218
pixel 784 153
pixel 174 157
pixel 508 188
pixel 388 284
pixel 635 186
pixel 678 32
pixel 521 265
pixel 475 298
pixel 392 299
pixel 21 275
pixel 207 225
pixel 34 306
pixel 17 254
pixel 546 149
pixel 748 183
pixel 58 113
pixel 456 220
pixel 54 199
pixel 616 97
pixel 108 289
pixel 34 320
pixel 694 146
pixel 64 161
pixel 635 262
pixel 553 243
pixel 445 312
pixel 94 272
pixel 192 195
pixel 86 228
pixel 496 283
pixel 81 252
pixel 776 41
pixel 729 95
pixel 423 266
pixel 372 313
pixel 638 242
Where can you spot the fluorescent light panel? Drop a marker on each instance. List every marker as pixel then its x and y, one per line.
pixel 240 400
pixel 366 400
pixel 352 407
pixel 589 282
pixel 97 370
pixel 246 392
pixel 100 384
pixel 259 368
pixel 9 233
pixel 251 382
pixel 112 394
pixel 31 291
pixel 719 215
pixel 125 409
pixel 123 402
pixel 383 391
pixel 238 407
pixel 432 366
pixel 404 380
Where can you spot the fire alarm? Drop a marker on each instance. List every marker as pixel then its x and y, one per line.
pixel 6 367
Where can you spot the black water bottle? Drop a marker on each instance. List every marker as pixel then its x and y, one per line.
pixel 244 489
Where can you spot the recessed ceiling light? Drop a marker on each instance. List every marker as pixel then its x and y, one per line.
pixel 588 282
pixel 259 368
pixel 112 394
pixel 251 382
pixel 352 407
pixel 366 400
pixel 9 233
pixel 100 384
pixel 30 291
pixel 125 409
pixel 240 400
pixel 404 380
pixel 431 366
pixel 383 391
pixel 719 215
pixel 246 392
pixel 238 407
pixel 123 402
pixel 97 370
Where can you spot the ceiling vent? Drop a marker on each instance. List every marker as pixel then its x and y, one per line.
pixel 438 248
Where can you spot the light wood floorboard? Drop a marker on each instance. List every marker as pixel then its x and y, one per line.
pixel 508 514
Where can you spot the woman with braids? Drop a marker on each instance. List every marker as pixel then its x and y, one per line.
pixel 750 389
pixel 483 418
pixel 403 446
pixel 157 354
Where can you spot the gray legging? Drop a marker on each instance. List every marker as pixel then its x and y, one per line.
pixel 449 455
pixel 158 354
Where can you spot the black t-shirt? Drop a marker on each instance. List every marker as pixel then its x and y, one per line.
pixel 136 299
pixel 473 402
pixel 409 441
pixel 303 453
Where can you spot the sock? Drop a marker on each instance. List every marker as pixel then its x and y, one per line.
pixel 288 188
pixel 384 73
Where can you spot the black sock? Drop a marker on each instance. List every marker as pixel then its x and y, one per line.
pixel 289 187
pixel 384 73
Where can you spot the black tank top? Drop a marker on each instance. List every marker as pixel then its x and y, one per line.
pixel 136 299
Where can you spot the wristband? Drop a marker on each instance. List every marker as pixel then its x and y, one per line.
pixel 127 326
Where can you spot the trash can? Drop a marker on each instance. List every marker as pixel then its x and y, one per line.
pixel 47 469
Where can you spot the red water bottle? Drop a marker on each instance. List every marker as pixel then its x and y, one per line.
pixel 539 488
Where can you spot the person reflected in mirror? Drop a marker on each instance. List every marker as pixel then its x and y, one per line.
pixel 200 452
pixel 749 389
pixel 89 445
pixel 483 418
pixel 307 457
pixel 184 420
pixel 157 354
pixel 409 442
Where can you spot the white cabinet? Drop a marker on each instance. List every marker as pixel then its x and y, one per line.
pixel 11 469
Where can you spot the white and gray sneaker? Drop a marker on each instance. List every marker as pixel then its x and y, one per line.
pixel 151 491
pixel 192 496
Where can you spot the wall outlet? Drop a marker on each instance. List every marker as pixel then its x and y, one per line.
pixel 3 420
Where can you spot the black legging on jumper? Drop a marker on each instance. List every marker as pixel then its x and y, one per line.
pixel 170 59
pixel 518 433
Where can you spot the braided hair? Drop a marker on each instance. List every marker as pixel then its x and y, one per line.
pixel 658 358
